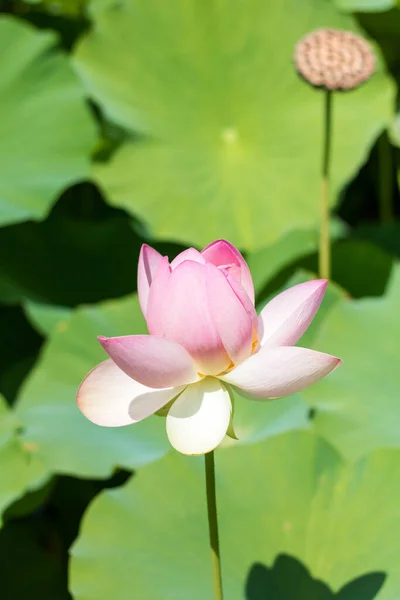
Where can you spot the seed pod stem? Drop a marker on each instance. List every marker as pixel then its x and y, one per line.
pixel 324 255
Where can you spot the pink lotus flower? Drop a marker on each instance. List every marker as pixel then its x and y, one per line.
pixel 205 338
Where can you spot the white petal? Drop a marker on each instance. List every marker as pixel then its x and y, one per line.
pixel 110 398
pixel 274 372
pixel 199 418
pixel 287 316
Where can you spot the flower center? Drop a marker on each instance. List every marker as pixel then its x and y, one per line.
pixel 254 348
pixel 254 341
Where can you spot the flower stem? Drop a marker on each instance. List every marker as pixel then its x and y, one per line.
pixel 324 243
pixel 213 524
pixel 385 162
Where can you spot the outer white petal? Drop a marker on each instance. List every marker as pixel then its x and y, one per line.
pixel 198 420
pixel 281 371
pixel 110 398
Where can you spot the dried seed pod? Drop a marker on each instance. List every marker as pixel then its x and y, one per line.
pixel 334 59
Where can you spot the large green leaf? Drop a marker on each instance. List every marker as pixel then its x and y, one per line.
pixel 366 5
pixel 290 494
pixel 232 137
pixel 20 470
pixel 46 317
pixel 254 421
pixel 95 6
pixel 46 132
pixel 65 441
pixel 357 406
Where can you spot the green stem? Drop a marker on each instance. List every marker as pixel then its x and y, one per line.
pixel 213 524
pixel 385 179
pixel 324 244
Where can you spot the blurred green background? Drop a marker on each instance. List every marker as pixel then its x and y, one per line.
pixel 176 123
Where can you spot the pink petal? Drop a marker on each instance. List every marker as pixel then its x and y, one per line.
pixel 152 361
pixel 156 301
pixel 231 320
pixel 189 254
pixel 245 300
pixel 285 318
pixel 187 320
pixel 149 260
pixel 222 253
pixel 280 371
pixel 199 419
pixel 110 398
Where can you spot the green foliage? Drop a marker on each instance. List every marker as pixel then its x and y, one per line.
pixel 225 123
pixel 20 470
pixel 39 90
pixel 366 5
pixel 291 494
pixel 46 318
pixel 254 421
pixel 357 407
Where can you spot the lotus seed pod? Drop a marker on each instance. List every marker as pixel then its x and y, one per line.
pixel 334 59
